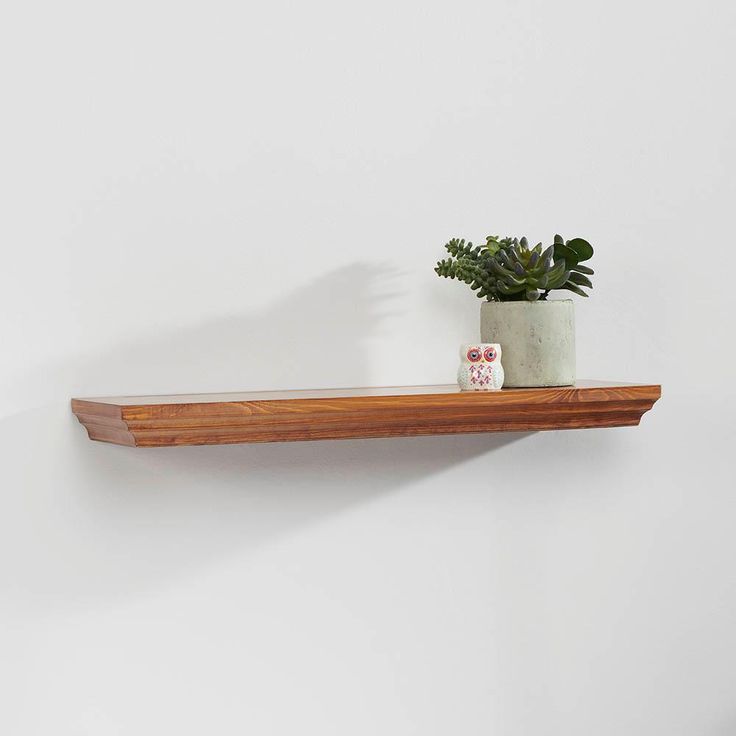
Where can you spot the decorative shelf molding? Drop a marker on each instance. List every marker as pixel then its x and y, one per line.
pixel 329 414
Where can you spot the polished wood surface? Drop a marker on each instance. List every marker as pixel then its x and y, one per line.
pixel 395 411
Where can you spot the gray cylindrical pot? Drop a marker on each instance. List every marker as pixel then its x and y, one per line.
pixel 537 340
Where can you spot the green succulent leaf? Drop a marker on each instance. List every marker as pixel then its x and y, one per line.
pixel 566 253
pixel 556 270
pixel 583 269
pixel 578 278
pixel 504 258
pixel 506 289
pixel 511 280
pixel 576 289
pixel 582 248
pixel 492 244
pixel 558 281
pixel 559 240
pixel 499 270
pixel 532 295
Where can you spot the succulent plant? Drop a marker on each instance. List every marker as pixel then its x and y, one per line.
pixel 507 269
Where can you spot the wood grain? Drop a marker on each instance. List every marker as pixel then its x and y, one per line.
pixel 277 416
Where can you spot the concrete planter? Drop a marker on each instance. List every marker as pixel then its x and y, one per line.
pixel 537 338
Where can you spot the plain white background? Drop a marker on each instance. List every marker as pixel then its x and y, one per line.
pixel 227 196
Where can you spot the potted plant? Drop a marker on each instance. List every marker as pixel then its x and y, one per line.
pixel 537 334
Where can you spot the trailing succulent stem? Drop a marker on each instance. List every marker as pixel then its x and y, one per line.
pixel 507 269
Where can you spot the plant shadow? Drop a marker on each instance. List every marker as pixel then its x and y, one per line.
pixel 97 523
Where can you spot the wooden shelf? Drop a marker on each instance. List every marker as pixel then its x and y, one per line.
pixel 328 414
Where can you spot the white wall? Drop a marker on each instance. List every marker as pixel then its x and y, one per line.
pixel 220 196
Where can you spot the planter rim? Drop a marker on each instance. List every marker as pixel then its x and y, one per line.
pixel 524 302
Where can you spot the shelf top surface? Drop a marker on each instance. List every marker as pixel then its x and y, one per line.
pixel 336 393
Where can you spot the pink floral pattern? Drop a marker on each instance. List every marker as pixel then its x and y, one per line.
pixel 481 374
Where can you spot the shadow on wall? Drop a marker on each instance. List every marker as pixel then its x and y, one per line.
pixel 91 521
pixel 315 336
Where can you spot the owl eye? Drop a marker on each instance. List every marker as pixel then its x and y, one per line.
pixel 490 355
pixel 474 355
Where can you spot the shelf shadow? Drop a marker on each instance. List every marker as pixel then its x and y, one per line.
pixel 100 522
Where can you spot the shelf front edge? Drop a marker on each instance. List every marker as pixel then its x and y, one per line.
pixel 353 416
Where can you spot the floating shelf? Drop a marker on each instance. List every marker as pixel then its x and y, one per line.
pixel 330 414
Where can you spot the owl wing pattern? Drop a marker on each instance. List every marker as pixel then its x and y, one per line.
pixel 480 377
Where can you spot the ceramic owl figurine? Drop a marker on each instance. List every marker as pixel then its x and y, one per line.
pixel 480 367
